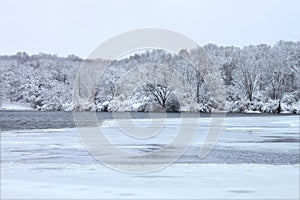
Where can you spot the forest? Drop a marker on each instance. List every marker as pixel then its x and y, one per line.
pixel 256 78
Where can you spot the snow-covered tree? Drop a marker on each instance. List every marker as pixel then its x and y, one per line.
pixel 256 77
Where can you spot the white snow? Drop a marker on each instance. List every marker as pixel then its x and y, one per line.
pixel 7 105
pixel 251 111
pixel 179 181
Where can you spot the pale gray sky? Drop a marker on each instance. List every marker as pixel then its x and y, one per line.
pixel 77 27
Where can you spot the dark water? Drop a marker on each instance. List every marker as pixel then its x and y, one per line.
pixel 14 120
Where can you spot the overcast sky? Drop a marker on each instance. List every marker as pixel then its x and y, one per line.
pixel 77 27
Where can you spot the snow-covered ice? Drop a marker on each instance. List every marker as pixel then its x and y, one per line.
pixel 179 181
pixel 255 158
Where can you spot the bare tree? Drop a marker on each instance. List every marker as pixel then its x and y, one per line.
pixel 158 93
pixel 247 73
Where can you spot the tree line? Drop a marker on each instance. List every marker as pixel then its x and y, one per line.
pixel 260 78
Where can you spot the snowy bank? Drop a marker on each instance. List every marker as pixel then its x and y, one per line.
pixel 7 105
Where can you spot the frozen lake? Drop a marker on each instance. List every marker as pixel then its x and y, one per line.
pixel 256 156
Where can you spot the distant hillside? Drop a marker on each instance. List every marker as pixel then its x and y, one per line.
pixel 258 78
